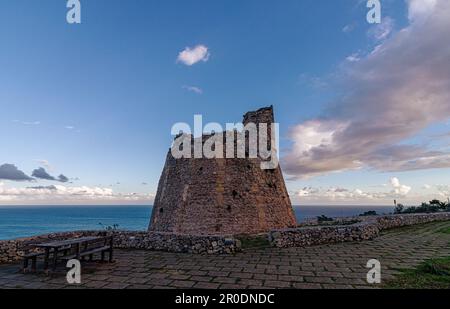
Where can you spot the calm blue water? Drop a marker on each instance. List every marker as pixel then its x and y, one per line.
pixel 19 221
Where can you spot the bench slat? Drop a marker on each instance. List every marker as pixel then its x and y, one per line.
pixel 85 253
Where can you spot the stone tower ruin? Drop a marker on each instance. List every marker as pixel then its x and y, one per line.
pixel 222 196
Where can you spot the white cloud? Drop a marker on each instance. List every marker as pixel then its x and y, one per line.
pixel 426 187
pixel 28 123
pixel 44 163
pixel 444 191
pixel 388 97
pixel 353 57
pixel 382 31
pixel 348 28
pixel 312 81
pixel 399 189
pixel 65 194
pixel 421 9
pixel 194 89
pixel 190 56
pixel 353 195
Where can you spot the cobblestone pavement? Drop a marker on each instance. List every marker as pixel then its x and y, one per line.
pixel 326 266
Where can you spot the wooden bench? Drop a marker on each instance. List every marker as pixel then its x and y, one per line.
pixel 33 256
pixel 77 248
pixel 89 253
pixel 102 246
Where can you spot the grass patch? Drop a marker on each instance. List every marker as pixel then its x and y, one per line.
pixel 432 274
pixel 258 241
pixel 445 230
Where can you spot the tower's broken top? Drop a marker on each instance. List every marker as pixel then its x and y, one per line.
pixel 222 196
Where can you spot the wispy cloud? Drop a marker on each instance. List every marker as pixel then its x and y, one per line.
pixel 44 163
pixel 68 195
pixel 28 123
pixel 190 56
pixel 390 95
pixel 444 191
pixel 313 82
pixel 349 28
pixel 382 31
pixel 396 190
pixel 194 89
pixel 353 57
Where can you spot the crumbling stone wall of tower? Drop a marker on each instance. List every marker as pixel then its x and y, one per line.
pixel 222 196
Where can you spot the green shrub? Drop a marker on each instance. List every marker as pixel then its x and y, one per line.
pixel 431 207
pixel 369 213
pixel 324 218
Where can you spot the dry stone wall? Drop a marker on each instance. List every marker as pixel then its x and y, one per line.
pixel 13 250
pixel 368 228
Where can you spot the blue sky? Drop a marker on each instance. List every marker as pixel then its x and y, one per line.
pixel 96 101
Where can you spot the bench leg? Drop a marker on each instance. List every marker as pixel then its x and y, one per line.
pixel 25 265
pixel 103 256
pixel 46 258
pixel 111 255
pixel 55 258
pixel 33 264
pixel 91 257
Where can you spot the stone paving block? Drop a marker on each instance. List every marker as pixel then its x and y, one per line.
pixel 179 277
pixel 206 285
pixel 135 280
pixel 159 281
pixel 306 286
pixel 251 282
pixel 95 284
pixel 182 284
pixel 116 285
pixel 117 279
pixel 329 274
pixel 277 284
pixel 224 280
pixel 241 275
pixel 265 276
pixel 318 280
pixel 201 278
pixel 218 273
pixel 290 278
pixel 228 286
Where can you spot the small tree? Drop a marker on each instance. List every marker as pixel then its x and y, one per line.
pixel 438 203
pixel 369 213
pixel 324 218
pixel 399 209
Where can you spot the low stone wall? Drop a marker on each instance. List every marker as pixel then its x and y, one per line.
pixel 177 243
pixel 394 221
pixel 369 228
pixel 13 250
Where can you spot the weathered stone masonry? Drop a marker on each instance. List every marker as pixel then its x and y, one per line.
pixel 13 250
pixel 222 196
pixel 369 228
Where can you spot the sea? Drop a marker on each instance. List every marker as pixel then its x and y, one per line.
pixel 25 221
